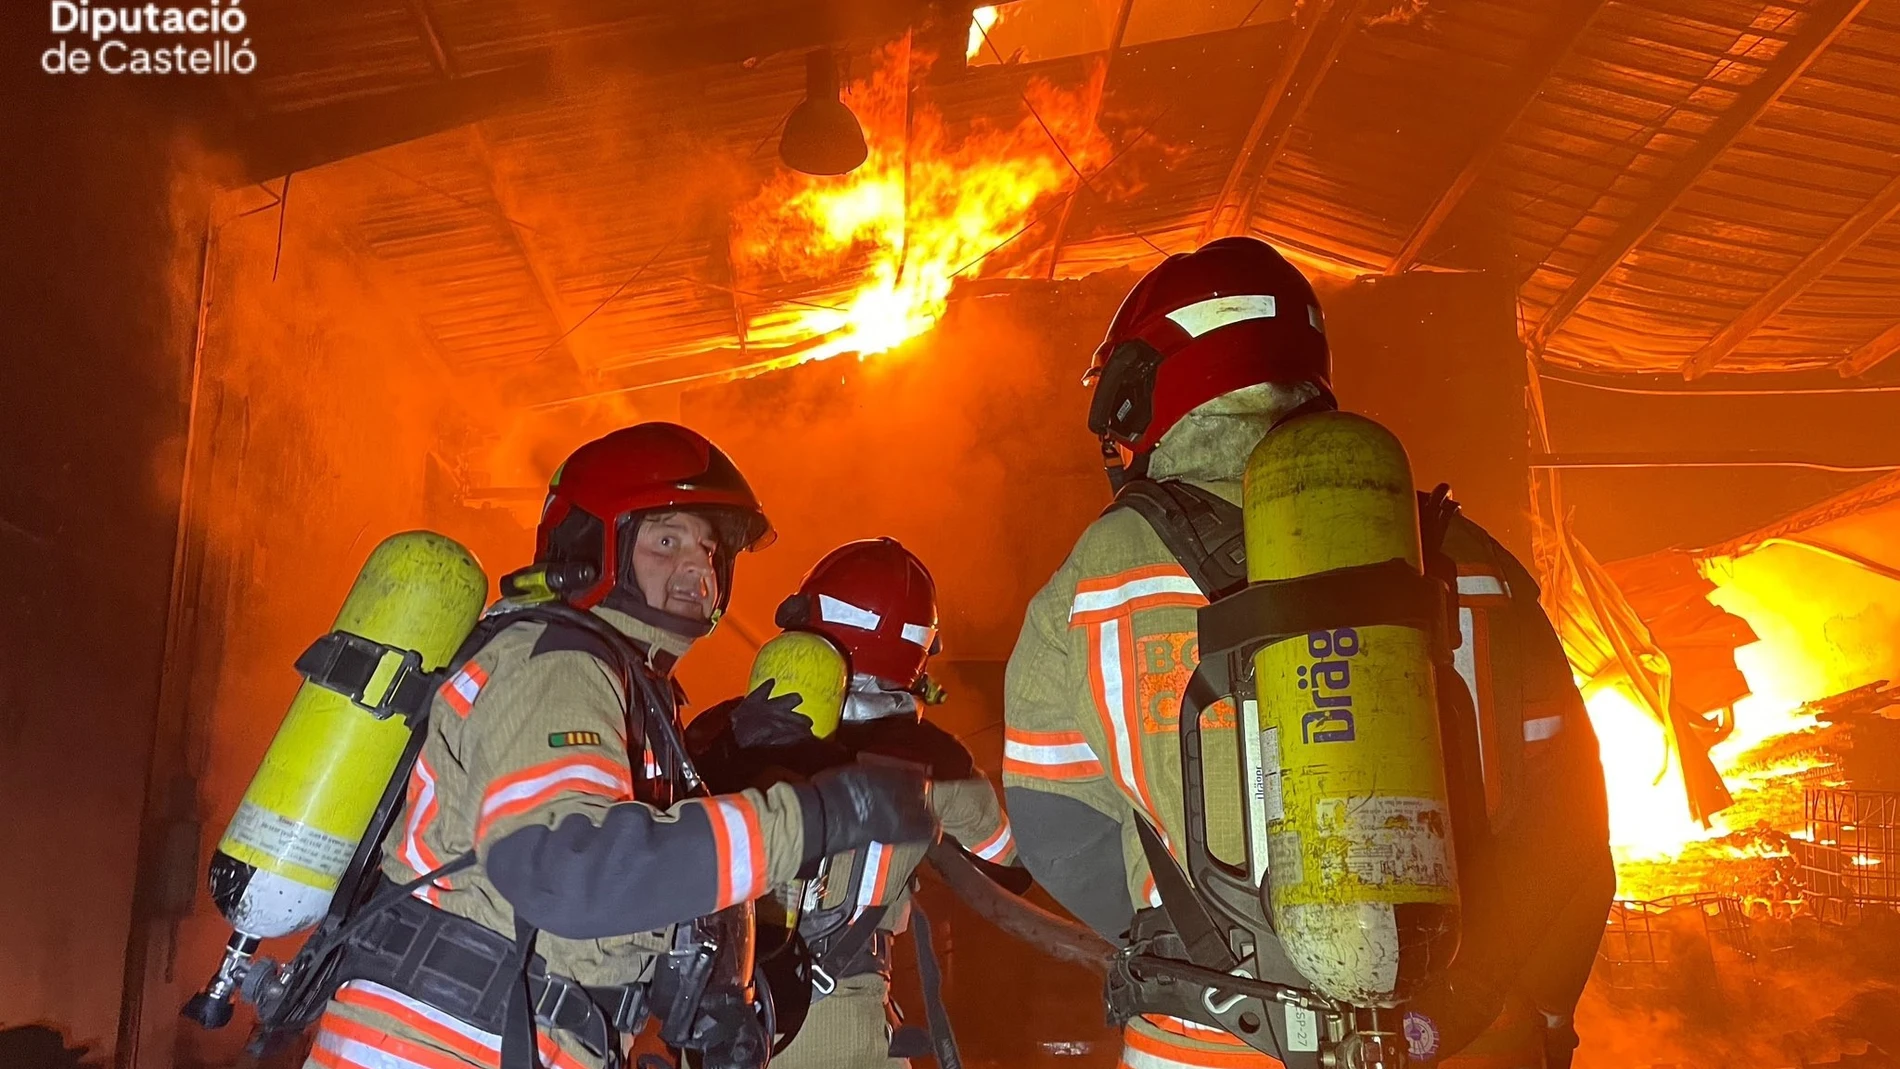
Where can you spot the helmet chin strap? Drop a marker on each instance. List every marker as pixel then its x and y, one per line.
pixel 1119 473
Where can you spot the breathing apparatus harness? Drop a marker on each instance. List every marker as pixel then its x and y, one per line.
pixel 1207 954
pixel 376 930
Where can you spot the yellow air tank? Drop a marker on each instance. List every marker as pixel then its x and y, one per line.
pixel 1361 885
pixel 294 833
pixel 808 665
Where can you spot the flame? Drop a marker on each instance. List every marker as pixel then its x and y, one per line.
pixel 882 245
pixel 1824 628
pixel 982 20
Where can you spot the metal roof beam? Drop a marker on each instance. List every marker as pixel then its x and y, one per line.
pixel 1285 100
pixel 1842 241
pixel 1543 61
pixel 1871 355
pixel 1825 21
pixel 1095 111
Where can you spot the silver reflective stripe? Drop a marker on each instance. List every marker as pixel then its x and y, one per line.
pixel 1202 316
pixel 1479 585
pixel 1544 727
pixel 918 635
pixel 833 611
pixel 1465 660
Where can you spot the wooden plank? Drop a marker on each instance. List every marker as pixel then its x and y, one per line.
pixel 1825 22
pixel 1875 212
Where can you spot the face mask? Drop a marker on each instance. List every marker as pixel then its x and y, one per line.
pixel 867 699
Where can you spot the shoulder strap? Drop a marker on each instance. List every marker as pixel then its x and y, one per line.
pixel 1202 531
pixel 850 941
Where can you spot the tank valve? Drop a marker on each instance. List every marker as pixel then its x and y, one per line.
pixel 211 1008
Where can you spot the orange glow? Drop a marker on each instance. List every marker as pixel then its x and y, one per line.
pixel 1824 628
pixel 875 252
pixel 982 20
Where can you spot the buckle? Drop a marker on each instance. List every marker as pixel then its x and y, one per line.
pixel 353 666
pixel 821 982
pixel 562 989
pixel 631 1009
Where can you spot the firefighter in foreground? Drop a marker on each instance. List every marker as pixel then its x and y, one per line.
pixel 1209 352
pixel 546 759
pixel 867 615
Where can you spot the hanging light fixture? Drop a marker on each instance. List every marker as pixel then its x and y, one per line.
pixel 821 135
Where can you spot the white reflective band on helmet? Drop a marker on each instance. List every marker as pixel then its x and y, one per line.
pixel 919 635
pixel 833 611
pixel 1202 316
pixel 1481 584
pixel 1544 727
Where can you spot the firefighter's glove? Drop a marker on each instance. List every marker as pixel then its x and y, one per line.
pixel 761 721
pixel 862 804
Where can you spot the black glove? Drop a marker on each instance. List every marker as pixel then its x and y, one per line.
pixel 864 804
pixel 760 720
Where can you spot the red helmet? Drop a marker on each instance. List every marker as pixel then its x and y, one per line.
pixel 876 600
pixel 653 467
pixel 1229 315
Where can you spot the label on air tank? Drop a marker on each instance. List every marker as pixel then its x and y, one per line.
pixel 1391 840
pixel 291 841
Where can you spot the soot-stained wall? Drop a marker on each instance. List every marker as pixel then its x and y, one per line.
pixel 326 424
pixel 92 417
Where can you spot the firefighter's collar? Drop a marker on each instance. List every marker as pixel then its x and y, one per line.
pixel 664 647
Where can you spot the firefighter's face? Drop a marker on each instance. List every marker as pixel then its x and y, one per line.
pixel 673 556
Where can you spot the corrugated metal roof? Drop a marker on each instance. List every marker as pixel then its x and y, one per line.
pixel 1634 137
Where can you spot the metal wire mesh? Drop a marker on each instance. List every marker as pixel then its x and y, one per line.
pixel 1850 858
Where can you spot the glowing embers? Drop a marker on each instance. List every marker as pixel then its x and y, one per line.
pixel 861 263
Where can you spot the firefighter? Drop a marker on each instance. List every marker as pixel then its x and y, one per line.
pixel 552 763
pixel 1208 352
pixel 876 602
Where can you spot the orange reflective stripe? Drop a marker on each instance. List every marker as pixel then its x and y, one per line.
pixel 531 788
pixel 1111 662
pixel 352 1033
pixel 467 1041
pixel 1151 586
pixel 423 809
pixel 1193 1030
pixel 1148 889
pixel 1053 755
pixel 739 844
pixel 996 845
pixel 1143 1051
pixel 463 688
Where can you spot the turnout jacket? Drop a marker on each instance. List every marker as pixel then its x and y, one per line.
pixel 965 802
pixel 1092 704
pixel 532 761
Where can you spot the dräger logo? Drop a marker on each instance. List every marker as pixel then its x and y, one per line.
pixel 1330 681
pixel 131 40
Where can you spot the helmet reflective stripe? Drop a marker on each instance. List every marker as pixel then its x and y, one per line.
pixel 833 611
pixel 1199 318
pixel 919 635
